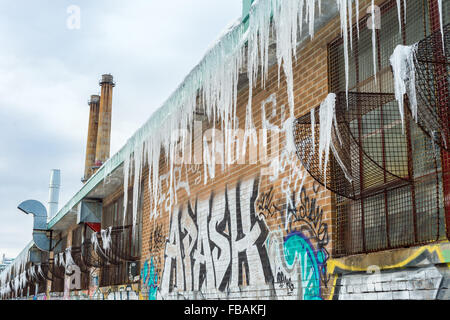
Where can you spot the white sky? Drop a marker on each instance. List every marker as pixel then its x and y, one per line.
pixel 48 72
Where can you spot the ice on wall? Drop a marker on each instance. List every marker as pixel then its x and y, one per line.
pixel 106 238
pixel 212 87
pixel 68 258
pixel 402 62
pixel 374 41
pixel 326 116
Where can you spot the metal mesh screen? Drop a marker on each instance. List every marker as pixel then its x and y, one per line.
pixel 369 150
pixel 125 245
pixel 432 86
pixel 396 196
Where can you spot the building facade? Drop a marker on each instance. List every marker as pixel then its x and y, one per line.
pixel 296 171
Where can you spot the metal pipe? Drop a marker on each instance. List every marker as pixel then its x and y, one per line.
pixel 53 194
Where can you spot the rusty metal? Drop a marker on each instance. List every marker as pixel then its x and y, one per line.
pixel 432 86
pixel 396 197
pixel 367 145
pixel 125 244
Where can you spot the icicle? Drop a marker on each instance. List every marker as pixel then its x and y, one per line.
pixel 399 14
pixel 106 238
pixel 342 7
pixel 288 128
pixel 441 23
pixel 94 241
pixel 126 173
pixel 374 42
pixel 68 258
pixel 326 114
pixel 138 155
pixel 402 62
pixel 313 128
pixel 357 17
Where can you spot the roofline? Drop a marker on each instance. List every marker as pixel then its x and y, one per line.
pixel 143 132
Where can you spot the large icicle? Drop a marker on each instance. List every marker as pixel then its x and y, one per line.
pixel 441 23
pixel 68 258
pixel 106 238
pixel 402 62
pixel 211 87
pixel 326 115
pixel 374 42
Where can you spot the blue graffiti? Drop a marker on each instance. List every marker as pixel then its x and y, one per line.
pixel 312 263
pixel 150 278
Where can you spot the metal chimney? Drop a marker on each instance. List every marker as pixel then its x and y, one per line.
pixel 53 194
pixel 91 144
pixel 104 120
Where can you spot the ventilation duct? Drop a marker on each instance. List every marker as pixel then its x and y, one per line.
pixel 53 194
pixel 39 212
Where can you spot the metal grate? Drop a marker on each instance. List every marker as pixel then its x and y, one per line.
pixel 125 245
pixel 432 86
pixel 396 198
pixel 370 151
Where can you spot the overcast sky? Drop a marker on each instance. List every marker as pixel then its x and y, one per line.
pixel 49 69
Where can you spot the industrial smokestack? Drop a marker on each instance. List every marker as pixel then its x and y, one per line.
pixel 91 144
pixel 104 120
pixel 53 194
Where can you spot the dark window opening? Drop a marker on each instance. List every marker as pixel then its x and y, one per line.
pixel 125 245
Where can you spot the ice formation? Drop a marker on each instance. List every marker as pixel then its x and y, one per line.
pixel 326 116
pixel 94 241
pixel 211 88
pixel 441 23
pixel 68 258
pixel 374 42
pixel 313 128
pixel 106 238
pixel 402 62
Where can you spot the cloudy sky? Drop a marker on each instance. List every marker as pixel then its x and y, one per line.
pixel 49 68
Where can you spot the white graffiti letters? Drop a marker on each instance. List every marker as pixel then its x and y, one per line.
pixel 217 243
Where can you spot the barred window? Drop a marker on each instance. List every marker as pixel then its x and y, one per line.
pixel 125 248
pixel 400 203
pixel 57 270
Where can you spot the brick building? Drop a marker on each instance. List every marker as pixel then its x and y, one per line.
pixel 282 168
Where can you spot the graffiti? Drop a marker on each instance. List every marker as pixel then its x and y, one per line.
pixel 156 239
pixel 265 205
pixel 422 274
pixel 150 279
pixel 212 241
pixel 298 248
pixel 285 281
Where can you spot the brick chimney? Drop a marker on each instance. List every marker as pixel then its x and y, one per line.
pixel 91 144
pixel 104 120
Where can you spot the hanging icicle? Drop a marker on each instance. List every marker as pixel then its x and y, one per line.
pixel 106 238
pixel 212 87
pixel 402 62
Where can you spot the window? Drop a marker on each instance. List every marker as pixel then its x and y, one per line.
pixel 58 270
pixel 401 202
pixel 125 247
pixel 76 252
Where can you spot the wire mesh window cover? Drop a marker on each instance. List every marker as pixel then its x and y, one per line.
pixel 124 244
pixel 76 252
pixel 395 198
pixel 37 278
pixel 56 269
pixel 369 149
pixel 432 66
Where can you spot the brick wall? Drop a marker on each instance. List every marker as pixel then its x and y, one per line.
pixel 258 232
